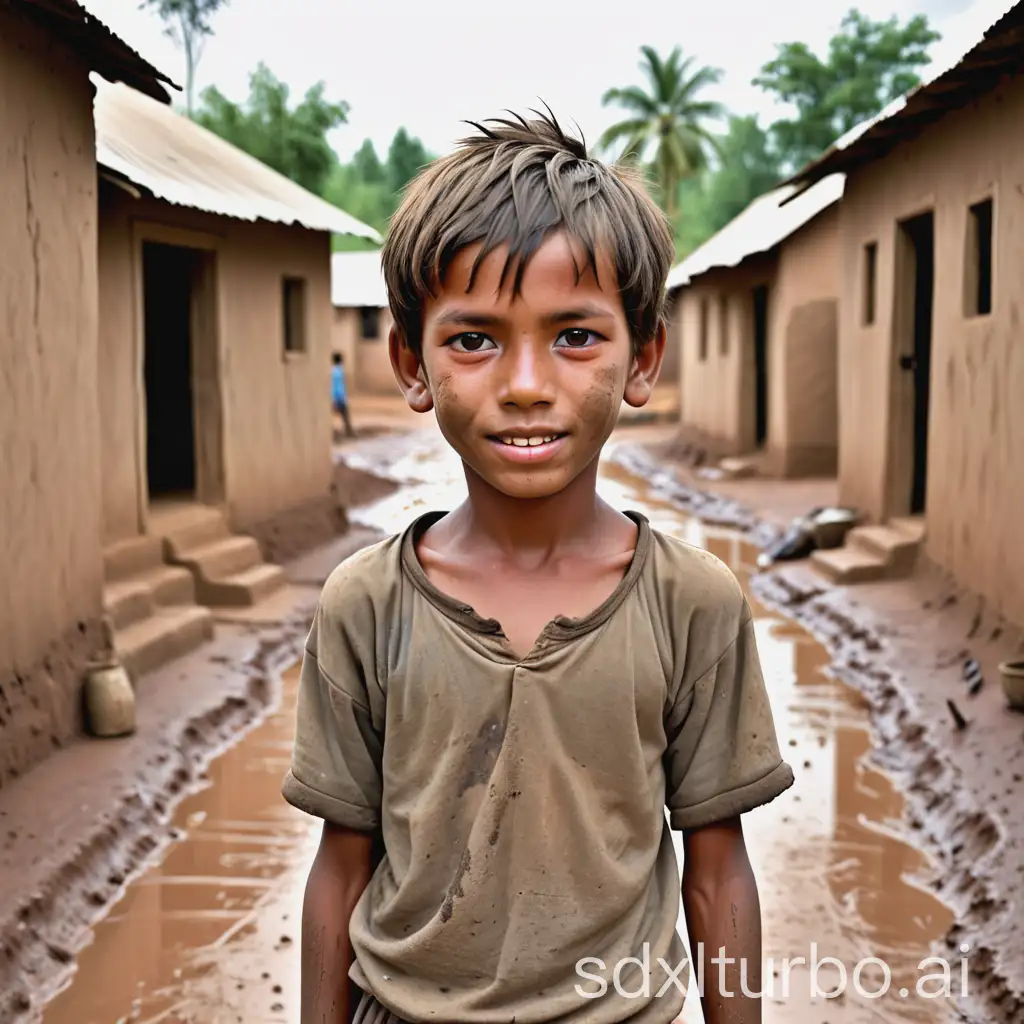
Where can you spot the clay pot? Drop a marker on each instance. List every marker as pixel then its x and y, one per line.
pixel 1011 675
pixel 109 701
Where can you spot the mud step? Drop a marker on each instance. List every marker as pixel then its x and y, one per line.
pixel 849 565
pixel 895 547
pixel 912 526
pixel 127 558
pixel 242 589
pixel 220 559
pixel 188 528
pixel 170 585
pixel 167 634
pixel 127 602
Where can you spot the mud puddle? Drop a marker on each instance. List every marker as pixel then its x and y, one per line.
pixel 239 839
pixel 211 934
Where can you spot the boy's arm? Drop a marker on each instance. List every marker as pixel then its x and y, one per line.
pixel 340 872
pixel 722 760
pixel 723 920
pixel 336 776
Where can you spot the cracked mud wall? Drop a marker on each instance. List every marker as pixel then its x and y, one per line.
pixel 49 426
pixel 976 423
pixel 275 406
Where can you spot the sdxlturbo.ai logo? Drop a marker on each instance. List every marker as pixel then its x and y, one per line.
pixel 871 978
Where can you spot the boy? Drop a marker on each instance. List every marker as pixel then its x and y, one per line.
pixel 508 695
pixel 339 396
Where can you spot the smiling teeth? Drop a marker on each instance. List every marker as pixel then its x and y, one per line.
pixel 528 442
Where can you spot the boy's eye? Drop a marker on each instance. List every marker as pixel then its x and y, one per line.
pixel 576 337
pixel 470 341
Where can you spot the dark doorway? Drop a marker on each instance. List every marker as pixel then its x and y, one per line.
pixel 168 273
pixel 761 364
pixel 920 233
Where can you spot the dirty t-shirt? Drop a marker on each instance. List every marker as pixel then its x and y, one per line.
pixel 522 800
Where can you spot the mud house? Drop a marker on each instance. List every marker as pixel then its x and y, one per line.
pixel 754 319
pixel 931 360
pixel 214 388
pixel 362 321
pixel 51 510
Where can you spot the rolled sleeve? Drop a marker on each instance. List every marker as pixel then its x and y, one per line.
pixel 722 757
pixel 335 772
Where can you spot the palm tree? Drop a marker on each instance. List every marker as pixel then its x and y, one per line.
pixel 668 119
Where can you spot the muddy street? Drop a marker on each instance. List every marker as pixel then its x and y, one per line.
pixel 210 933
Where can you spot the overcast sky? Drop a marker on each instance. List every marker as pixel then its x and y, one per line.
pixel 396 64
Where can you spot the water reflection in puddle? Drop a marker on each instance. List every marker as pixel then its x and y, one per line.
pixel 240 839
pixel 832 866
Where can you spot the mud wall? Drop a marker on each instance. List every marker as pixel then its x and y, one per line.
pixel 975 488
pixel 275 406
pixel 49 427
pixel 719 388
pixel 367 361
pixel 718 379
pixel 671 367
pixel 803 426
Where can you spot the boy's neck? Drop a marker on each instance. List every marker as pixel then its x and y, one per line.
pixel 516 526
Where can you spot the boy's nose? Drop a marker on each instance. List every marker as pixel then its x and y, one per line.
pixel 528 379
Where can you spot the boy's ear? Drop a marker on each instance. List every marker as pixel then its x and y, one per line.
pixel 643 374
pixel 409 372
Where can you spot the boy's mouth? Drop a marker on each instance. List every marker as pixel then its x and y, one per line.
pixel 528 447
pixel 523 441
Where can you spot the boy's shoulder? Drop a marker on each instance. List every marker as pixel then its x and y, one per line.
pixel 699 601
pixel 367 578
pixel 695 576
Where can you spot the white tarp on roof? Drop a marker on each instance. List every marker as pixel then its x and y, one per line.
pixel 357 280
pixel 760 227
pixel 183 163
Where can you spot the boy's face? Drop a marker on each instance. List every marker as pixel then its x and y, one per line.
pixel 527 389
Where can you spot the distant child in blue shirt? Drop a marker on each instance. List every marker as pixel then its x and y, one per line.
pixel 339 397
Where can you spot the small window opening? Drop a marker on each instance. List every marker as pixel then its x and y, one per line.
pixel 723 324
pixel 870 281
pixel 293 302
pixel 370 323
pixel 703 349
pixel 978 266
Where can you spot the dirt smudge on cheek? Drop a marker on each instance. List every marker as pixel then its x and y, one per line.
pixel 600 406
pixel 454 414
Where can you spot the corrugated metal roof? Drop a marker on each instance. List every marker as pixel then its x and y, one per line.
pixel 181 162
pixel 357 280
pixel 975 71
pixel 766 222
pixel 106 53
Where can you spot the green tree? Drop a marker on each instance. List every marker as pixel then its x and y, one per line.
pixel 291 140
pixel 370 189
pixel 406 156
pixel 745 166
pixel 367 167
pixel 667 123
pixel 868 64
pixel 187 23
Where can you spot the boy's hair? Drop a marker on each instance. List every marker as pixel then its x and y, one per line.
pixel 512 185
pixel 336 359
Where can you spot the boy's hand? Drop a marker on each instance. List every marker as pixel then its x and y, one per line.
pixel 340 873
pixel 723 911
